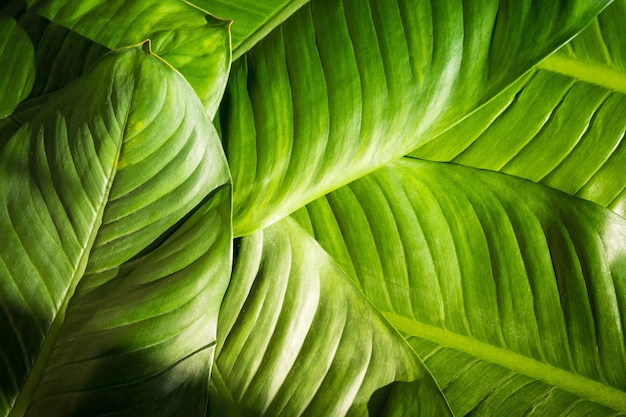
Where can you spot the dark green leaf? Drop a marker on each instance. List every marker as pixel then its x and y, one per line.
pixel 18 65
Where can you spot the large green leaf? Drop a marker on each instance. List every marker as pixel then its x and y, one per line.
pixel 115 219
pixel 562 126
pixel 298 338
pixel 345 87
pixel 18 65
pixel 514 294
pixel 194 42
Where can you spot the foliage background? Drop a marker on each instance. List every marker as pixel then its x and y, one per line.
pixel 336 207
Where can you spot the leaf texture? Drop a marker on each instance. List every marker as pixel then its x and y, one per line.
pixel 252 20
pixel 298 338
pixel 100 178
pixel 18 65
pixel 490 271
pixel 194 42
pixel 562 126
pixel 345 87
pixel 60 57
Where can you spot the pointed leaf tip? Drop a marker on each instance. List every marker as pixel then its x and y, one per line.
pixel 147 46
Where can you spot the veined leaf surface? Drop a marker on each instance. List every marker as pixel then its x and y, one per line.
pixel 18 65
pixel 489 275
pixel 298 338
pixel 345 87
pixel 562 126
pixel 252 19
pixel 192 41
pixel 115 218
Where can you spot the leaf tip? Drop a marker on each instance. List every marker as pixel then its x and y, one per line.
pixel 147 46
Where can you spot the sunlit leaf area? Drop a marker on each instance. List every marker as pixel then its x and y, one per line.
pixel 312 208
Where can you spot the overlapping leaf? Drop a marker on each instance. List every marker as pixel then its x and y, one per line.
pixel 493 275
pixel 18 65
pixel 61 56
pixel 298 338
pixel 252 20
pixel 344 87
pixel 562 126
pixel 115 219
pixel 192 41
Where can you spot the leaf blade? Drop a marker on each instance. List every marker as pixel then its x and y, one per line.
pixel 290 348
pixel 380 66
pixel 199 47
pixel 510 264
pixel 17 58
pixel 66 174
pixel 561 126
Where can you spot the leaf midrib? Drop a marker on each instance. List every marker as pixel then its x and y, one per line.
pixel 551 375
pixel 601 75
pixel 25 395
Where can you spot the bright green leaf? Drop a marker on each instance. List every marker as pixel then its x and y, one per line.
pixel 298 338
pixel 194 42
pixel 252 19
pixel 519 280
pixel 345 87
pixel 562 126
pixel 115 219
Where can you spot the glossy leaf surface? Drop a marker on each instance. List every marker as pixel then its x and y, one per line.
pixel 562 126
pixel 345 87
pixel 194 42
pixel 252 20
pixel 490 274
pixel 112 234
pixel 298 338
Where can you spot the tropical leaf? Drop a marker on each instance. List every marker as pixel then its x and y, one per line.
pixel 298 338
pixel 513 286
pixel 115 217
pixel 192 41
pixel 61 57
pixel 562 126
pixel 345 87
pixel 18 65
pixel 252 20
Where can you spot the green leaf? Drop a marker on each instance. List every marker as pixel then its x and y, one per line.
pixel 252 19
pixel 192 41
pixel 298 338
pixel 345 87
pixel 512 293
pixel 112 233
pixel 562 126
pixel 61 57
pixel 18 65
